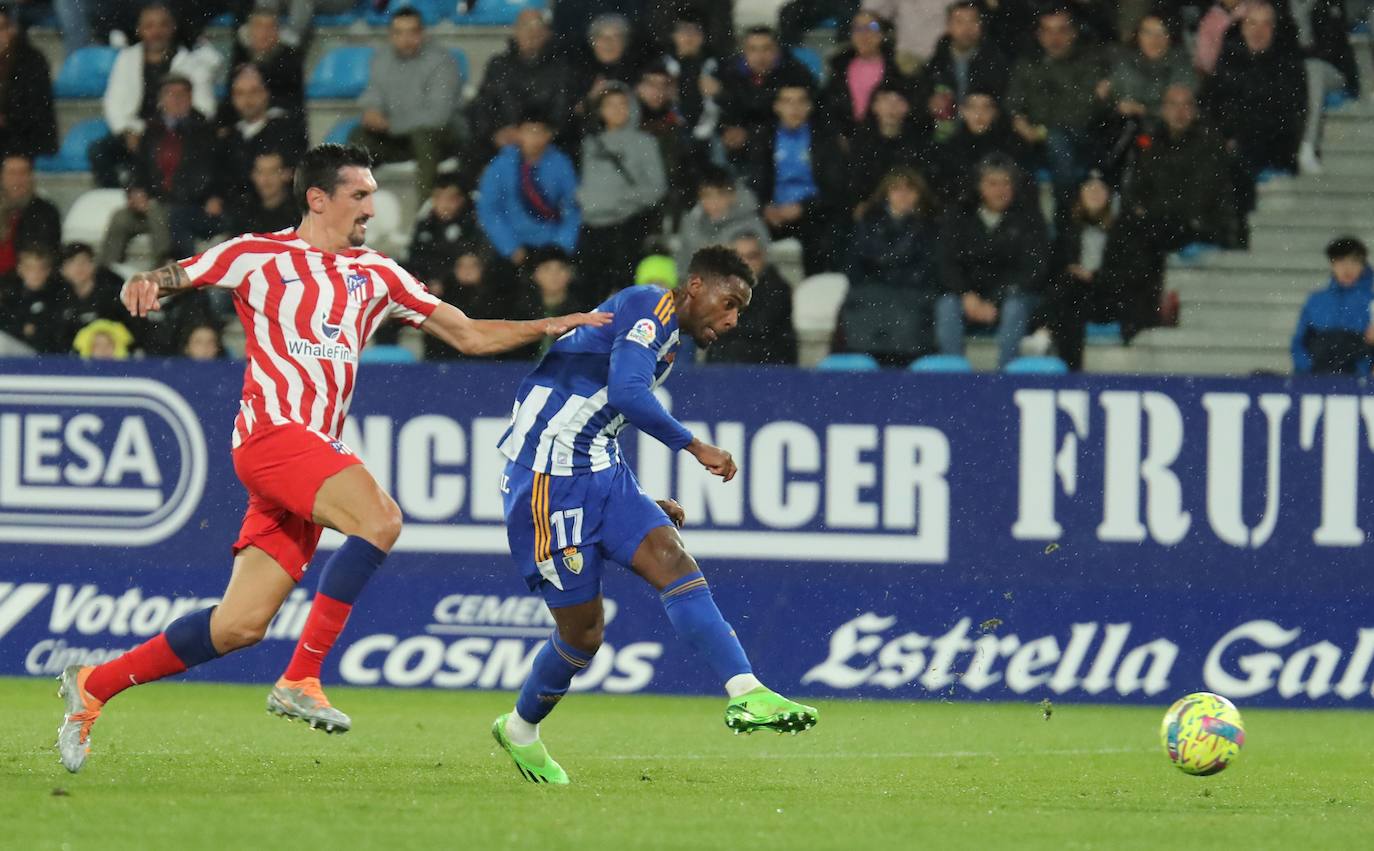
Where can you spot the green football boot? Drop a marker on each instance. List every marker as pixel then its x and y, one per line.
pixel 532 760
pixel 765 709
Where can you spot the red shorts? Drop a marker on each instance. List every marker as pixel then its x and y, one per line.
pixel 283 468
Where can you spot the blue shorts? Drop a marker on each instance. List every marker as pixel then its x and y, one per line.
pixel 562 529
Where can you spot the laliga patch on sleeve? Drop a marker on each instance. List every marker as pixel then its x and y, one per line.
pixel 643 333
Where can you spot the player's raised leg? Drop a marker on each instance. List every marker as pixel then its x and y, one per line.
pixel 567 652
pixel 351 502
pixel 256 590
pixel 664 563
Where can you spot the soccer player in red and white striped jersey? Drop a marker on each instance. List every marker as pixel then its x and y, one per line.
pixel 309 299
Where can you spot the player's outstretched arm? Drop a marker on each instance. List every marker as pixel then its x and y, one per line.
pixel 493 336
pixel 142 292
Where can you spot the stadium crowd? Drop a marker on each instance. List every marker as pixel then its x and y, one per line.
pixel 1015 167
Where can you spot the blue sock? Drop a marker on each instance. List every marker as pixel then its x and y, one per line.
pixel 349 569
pixel 189 638
pixel 693 611
pixel 555 666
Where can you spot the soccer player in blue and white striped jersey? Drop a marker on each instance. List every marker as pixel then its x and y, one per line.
pixel 572 504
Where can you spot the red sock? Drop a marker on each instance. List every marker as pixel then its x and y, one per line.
pixel 149 661
pixel 322 628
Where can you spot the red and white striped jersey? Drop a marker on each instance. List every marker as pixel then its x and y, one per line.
pixel 307 314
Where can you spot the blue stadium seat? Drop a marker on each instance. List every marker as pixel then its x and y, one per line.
pixel 338 134
pixel 381 353
pixel 811 59
pixel 1337 99
pixel 85 72
pixel 224 19
pixel 73 156
pixel 1103 332
pixel 1195 251
pixel 1036 366
pixel 941 363
pixel 341 73
pixel 497 13
pixel 848 362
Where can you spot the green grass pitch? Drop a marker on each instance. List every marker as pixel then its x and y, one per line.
pixel 184 766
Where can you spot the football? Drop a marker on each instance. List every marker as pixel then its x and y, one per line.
pixel 1202 733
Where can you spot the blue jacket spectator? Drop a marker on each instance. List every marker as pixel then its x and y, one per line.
pixel 1335 328
pixel 529 195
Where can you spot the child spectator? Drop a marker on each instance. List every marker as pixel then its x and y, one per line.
pixel 722 212
pixel 103 339
pixel 893 135
pixel 474 287
pixel 1336 327
pixel 31 299
pixel 202 342
pixel 528 194
pixel 92 293
pixel 444 231
pixel 549 291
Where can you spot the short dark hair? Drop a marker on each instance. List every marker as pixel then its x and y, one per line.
pixel 76 249
pixel 174 79
pixel 546 254
pixel 319 169
pixel 760 29
pixel 1346 246
pixel 408 12
pixel 37 249
pixel 447 180
pixel 715 177
pixel 720 262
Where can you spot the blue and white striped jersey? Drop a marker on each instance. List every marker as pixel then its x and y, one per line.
pixel 593 381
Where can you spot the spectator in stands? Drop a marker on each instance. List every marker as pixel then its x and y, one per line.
pixel 571 18
pixel 891 136
pixel 1139 79
pixel 269 206
pixel 282 66
pixel 749 88
pixel 31 299
pixel 798 17
pixel 798 173
pixel 475 286
pixel 1258 98
pixel 916 25
pixel 1053 100
pixel 610 57
pixel 893 273
pixel 982 132
pixel 964 61
pixel 723 211
pixel 993 262
pixel 549 288
pixel 92 293
pixel 1094 268
pixel 715 17
pixel 143 214
pixel 28 124
pixel 412 101
pixel 203 342
pixel 1335 330
pixel 172 165
pixel 439 235
pixel 1182 185
pixel 856 72
pixel 766 334
pixel 25 218
pixel 527 196
pixel 103 339
pixel 697 72
pixel 655 99
pixel 301 14
pixel 1323 35
pixel 131 95
pixel 623 184
pixel 254 128
pixel 529 75
pixel 1212 30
